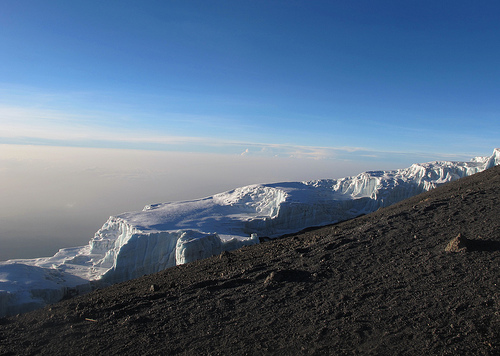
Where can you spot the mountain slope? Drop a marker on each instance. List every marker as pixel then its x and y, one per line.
pixel 378 284
pixel 164 235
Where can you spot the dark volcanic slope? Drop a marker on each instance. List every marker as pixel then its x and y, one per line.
pixel 379 284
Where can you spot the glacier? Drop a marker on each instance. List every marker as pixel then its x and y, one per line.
pixel 163 235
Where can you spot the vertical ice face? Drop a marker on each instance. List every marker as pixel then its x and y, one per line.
pixel 162 235
pixel 192 246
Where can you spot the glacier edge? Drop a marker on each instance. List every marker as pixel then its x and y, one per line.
pixel 133 244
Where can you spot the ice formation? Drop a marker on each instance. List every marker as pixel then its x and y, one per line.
pixel 164 235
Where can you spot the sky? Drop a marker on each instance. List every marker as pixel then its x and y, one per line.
pixel 244 91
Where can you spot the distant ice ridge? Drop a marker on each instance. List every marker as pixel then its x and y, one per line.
pixel 164 235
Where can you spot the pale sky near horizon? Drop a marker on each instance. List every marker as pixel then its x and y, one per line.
pixel 251 91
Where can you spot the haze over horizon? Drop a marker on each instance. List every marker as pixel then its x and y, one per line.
pixel 105 104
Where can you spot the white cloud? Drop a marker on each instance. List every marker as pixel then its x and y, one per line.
pixel 52 127
pixel 35 125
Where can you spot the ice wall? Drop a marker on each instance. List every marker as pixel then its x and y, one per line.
pixel 164 235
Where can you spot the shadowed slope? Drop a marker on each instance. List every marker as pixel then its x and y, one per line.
pixel 379 284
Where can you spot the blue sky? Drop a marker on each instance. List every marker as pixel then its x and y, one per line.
pixel 106 106
pixel 351 80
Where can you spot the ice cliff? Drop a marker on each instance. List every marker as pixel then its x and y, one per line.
pixel 164 235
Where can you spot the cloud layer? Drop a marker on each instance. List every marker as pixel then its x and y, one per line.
pixel 55 128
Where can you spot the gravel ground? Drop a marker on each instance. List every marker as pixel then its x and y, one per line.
pixel 419 277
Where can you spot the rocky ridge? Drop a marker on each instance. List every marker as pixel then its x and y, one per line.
pixel 384 283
